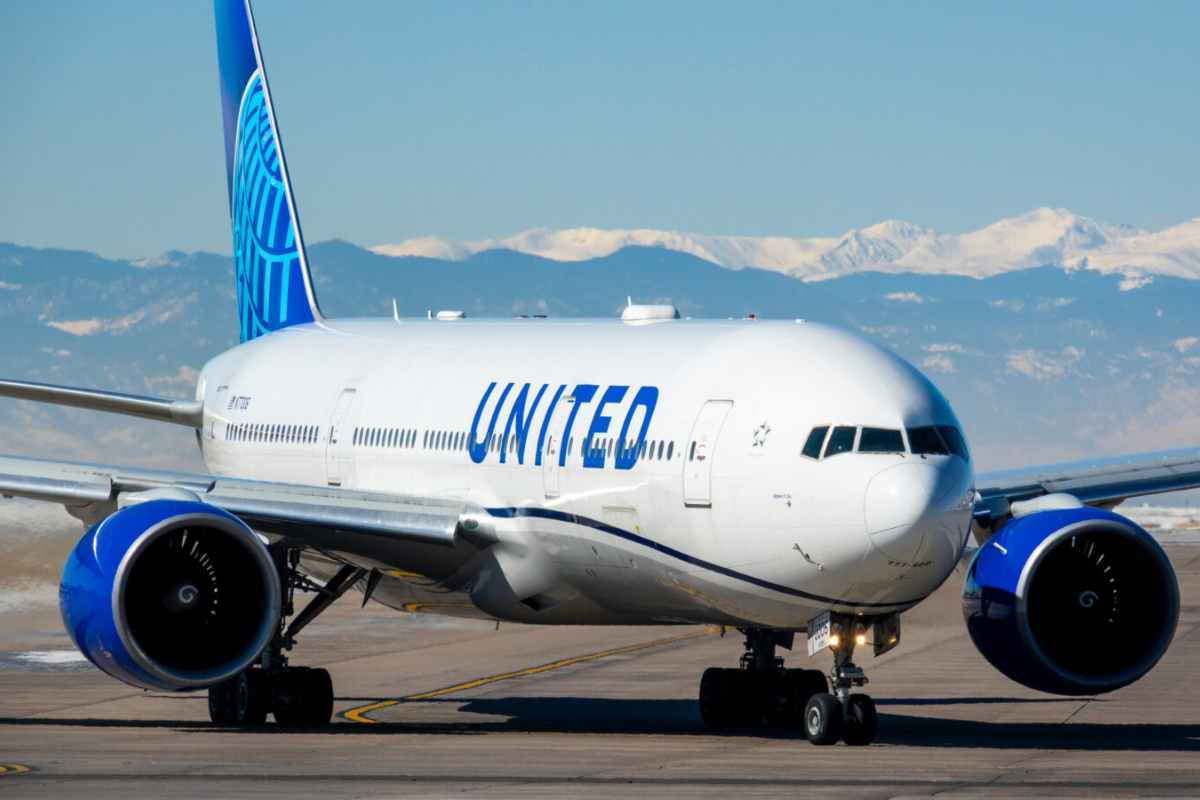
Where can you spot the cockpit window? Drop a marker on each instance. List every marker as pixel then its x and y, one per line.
pixel 880 440
pixel 812 447
pixel 925 441
pixel 955 441
pixel 840 441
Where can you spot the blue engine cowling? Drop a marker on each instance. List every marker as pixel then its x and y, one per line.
pixel 170 594
pixel 1074 601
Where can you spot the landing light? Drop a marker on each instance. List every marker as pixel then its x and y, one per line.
pixel 860 639
pixel 834 640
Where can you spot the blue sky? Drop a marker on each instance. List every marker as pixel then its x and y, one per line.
pixel 474 120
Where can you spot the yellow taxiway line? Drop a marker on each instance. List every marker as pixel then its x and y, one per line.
pixel 12 769
pixel 359 714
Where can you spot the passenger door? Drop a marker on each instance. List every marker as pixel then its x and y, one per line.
pixel 335 445
pixel 699 452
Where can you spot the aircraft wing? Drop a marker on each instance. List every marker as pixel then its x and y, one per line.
pixel 163 409
pixel 365 528
pixel 1099 482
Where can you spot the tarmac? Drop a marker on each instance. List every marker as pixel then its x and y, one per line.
pixel 431 707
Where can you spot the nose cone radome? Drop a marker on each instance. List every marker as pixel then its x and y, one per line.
pixel 899 503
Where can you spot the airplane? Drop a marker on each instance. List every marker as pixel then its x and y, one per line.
pixel 777 477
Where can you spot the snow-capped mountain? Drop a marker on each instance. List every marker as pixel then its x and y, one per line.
pixel 1045 237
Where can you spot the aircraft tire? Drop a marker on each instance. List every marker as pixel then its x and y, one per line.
pixel 221 703
pixel 745 698
pixel 318 698
pixel 823 719
pixel 862 723
pixel 252 698
pixel 713 703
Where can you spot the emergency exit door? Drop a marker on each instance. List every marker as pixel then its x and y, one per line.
pixel 699 453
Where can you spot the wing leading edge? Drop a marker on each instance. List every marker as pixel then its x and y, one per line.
pixel 163 409
pixel 1101 482
pixel 429 536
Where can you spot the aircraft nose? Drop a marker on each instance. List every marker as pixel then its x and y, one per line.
pixel 897 501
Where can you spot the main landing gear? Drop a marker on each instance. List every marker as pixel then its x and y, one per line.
pixel 296 696
pixel 762 691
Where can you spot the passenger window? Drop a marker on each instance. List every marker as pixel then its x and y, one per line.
pixel 816 438
pixel 880 440
pixel 660 451
pixel 925 441
pixel 692 452
pixel 670 450
pixel 955 441
pixel 840 441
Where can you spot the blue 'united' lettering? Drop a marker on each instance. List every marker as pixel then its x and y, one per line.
pixel 520 421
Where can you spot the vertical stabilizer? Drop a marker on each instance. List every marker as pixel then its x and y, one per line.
pixel 274 287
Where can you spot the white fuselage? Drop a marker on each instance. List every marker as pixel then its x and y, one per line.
pixel 596 523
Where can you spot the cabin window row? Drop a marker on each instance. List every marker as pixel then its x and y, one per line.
pixel 263 432
pixel 409 438
pixel 649 450
pixel 831 440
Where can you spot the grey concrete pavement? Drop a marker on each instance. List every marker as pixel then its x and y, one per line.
pixel 627 721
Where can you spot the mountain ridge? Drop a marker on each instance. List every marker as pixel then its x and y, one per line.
pixel 1043 237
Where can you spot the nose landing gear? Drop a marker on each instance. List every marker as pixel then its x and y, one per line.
pixel 851 717
pixel 761 691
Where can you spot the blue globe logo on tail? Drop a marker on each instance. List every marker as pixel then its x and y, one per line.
pixel 274 288
pixel 270 277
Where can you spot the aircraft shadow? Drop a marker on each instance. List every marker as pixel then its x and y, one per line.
pixel 680 718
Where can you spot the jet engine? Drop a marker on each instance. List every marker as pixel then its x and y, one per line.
pixel 1072 601
pixel 170 594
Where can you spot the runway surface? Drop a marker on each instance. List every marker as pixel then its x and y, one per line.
pixel 575 712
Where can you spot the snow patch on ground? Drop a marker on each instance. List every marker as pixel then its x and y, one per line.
pixel 1167 524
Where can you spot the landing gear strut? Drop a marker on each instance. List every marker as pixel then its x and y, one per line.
pixel 297 696
pixel 762 691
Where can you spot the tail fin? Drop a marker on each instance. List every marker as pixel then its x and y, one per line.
pixel 274 287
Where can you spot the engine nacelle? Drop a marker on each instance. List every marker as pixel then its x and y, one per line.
pixel 170 594
pixel 1073 601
